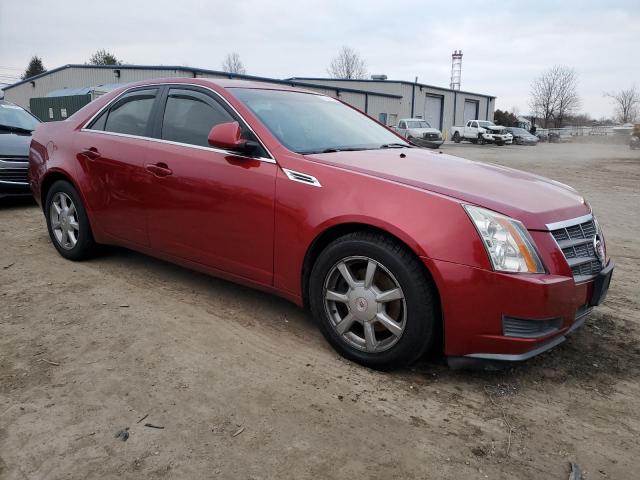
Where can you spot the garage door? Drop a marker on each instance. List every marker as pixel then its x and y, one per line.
pixel 470 110
pixel 433 111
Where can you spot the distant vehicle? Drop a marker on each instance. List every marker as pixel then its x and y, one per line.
pixel 634 143
pixel 481 131
pixel 542 136
pixel 419 132
pixel 16 125
pixel 560 137
pixel 522 137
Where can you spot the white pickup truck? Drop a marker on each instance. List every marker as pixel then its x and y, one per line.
pixel 481 131
pixel 418 131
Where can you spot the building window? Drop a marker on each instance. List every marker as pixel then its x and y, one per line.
pixel 382 118
pixel 393 119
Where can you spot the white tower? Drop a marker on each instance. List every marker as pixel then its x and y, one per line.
pixel 456 69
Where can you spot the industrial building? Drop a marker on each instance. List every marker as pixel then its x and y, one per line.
pixel 382 99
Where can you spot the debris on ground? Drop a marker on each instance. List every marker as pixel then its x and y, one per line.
pixel 143 418
pixel 123 434
pixel 576 473
pixel 151 425
pixel 240 430
pixel 50 362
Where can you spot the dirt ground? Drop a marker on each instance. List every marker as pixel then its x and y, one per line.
pixel 245 387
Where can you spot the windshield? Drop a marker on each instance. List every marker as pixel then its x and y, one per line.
pixel 418 124
pixel 308 123
pixel 15 117
pixel 484 123
pixel 519 131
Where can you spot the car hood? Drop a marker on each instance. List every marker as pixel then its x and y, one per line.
pixel 422 131
pixel 12 144
pixel 532 199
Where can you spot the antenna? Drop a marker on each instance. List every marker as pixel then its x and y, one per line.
pixel 456 69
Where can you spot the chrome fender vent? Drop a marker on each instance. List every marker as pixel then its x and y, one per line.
pixel 301 177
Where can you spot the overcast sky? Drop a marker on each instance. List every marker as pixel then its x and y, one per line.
pixel 505 44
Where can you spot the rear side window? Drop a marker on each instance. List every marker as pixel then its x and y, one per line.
pixel 130 114
pixel 189 116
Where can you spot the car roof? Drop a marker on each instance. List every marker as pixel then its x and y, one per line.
pixel 223 83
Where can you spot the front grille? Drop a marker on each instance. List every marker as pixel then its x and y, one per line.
pixel 431 136
pixel 577 244
pixel 14 158
pixel 13 174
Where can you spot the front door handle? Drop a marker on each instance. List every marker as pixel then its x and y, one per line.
pixel 159 169
pixel 91 153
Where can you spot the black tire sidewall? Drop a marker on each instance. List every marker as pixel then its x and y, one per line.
pixel 421 313
pixel 85 245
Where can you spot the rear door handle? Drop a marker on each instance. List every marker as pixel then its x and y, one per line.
pixel 91 153
pixel 159 169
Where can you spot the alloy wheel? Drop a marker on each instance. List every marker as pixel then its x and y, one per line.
pixel 64 221
pixel 365 304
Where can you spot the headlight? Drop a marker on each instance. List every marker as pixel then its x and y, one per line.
pixel 508 244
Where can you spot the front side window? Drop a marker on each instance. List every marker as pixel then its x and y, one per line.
pixel 189 116
pixel 309 123
pixel 130 114
pixel 402 125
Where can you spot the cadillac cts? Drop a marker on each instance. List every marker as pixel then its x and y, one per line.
pixel 394 249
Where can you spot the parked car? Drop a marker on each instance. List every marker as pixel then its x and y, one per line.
pixel 16 125
pixel 560 137
pixel 634 141
pixel 521 136
pixel 481 131
pixel 419 132
pixel 394 249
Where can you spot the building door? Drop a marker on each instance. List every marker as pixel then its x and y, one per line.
pixel 470 110
pixel 433 111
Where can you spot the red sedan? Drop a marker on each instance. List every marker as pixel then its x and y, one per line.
pixel 393 248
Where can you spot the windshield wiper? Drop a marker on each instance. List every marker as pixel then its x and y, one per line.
pixel 395 145
pixel 12 128
pixel 334 150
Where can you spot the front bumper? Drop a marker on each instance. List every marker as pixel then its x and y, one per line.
pixel 494 138
pixel 429 143
pixel 478 304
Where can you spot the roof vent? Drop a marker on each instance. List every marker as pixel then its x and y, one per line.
pixel 378 77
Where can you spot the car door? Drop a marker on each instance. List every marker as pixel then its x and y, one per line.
pixel 112 150
pixel 472 130
pixel 208 205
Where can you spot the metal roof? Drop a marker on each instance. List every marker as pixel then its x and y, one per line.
pixel 195 71
pixel 404 82
pixel 67 92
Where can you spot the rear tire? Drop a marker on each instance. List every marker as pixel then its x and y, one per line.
pixel 67 222
pixel 384 319
pixel 456 137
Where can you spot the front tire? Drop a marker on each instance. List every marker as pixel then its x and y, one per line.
pixel 373 301
pixel 68 223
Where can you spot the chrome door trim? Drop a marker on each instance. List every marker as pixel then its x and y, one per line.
pixel 84 128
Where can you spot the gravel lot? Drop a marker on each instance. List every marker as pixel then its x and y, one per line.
pixel 246 388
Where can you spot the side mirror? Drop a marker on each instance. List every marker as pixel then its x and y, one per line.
pixel 228 136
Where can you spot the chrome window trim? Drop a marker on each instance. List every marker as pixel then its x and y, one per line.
pixel 84 128
pixel 570 222
pixel 296 177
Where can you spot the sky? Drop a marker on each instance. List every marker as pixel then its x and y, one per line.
pixel 506 44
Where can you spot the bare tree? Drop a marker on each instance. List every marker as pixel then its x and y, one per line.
pixel 348 64
pixel 233 64
pixel 554 95
pixel 627 103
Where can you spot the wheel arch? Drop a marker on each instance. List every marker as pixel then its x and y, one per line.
pixel 333 232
